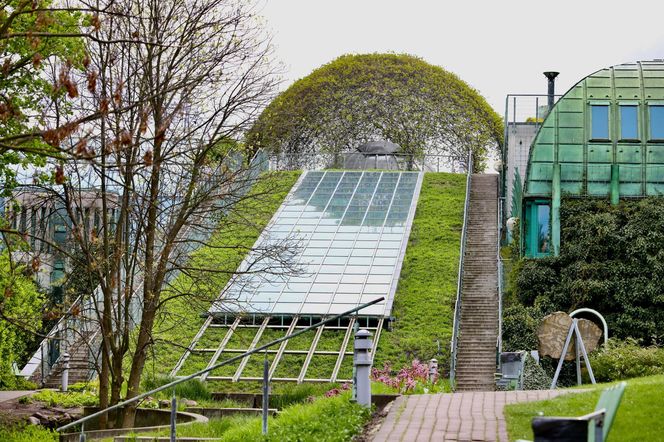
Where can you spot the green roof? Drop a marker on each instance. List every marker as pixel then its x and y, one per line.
pixel 627 101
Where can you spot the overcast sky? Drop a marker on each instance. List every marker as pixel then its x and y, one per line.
pixel 498 47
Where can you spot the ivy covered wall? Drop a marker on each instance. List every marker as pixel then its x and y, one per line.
pixel 611 259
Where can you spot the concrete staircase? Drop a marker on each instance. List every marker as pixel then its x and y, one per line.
pixel 79 367
pixel 476 354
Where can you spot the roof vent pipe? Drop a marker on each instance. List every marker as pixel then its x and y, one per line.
pixel 551 76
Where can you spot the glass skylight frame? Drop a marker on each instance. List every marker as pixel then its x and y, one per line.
pixel 351 230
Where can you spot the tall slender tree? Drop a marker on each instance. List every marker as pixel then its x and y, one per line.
pixel 172 83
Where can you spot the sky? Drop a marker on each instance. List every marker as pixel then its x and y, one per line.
pixel 498 47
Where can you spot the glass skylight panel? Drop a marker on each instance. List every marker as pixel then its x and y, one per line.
pixel 350 230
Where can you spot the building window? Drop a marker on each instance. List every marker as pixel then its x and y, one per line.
pixel 537 228
pixel 629 122
pixel 656 122
pixel 599 118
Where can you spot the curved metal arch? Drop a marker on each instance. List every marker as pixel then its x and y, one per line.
pixel 596 313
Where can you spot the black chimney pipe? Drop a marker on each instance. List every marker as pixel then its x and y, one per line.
pixel 551 76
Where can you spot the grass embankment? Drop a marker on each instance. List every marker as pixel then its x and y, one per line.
pixel 181 320
pixel 423 305
pixel 28 433
pixel 424 301
pixel 639 416
pixel 324 419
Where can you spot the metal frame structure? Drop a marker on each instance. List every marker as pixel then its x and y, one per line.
pixel 199 373
pixel 289 325
pixel 236 289
pixel 396 193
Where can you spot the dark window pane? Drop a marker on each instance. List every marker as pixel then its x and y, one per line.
pixel 657 122
pixel 600 122
pixel 629 123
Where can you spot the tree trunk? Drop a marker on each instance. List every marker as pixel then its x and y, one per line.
pixel 103 388
pixel 138 362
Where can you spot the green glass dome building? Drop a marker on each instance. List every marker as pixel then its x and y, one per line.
pixel 603 138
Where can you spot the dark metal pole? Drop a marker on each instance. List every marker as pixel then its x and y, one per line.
pixel 174 411
pixel 551 93
pixel 266 392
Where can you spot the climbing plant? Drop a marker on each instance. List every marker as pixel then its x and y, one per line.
pixel 396 97
pixel 612 260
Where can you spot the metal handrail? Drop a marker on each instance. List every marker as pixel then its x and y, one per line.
pixel 221 364
pixel 499 264
pixel 462 252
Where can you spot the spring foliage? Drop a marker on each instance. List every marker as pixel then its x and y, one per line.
pixel 396 97
pixel 20 304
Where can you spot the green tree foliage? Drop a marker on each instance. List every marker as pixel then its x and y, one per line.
pixel 20 307
pixel 360 98
pixel 612 260
pixel 39 45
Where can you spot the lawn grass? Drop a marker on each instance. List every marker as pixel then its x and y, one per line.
pixel 28 433
pixel 639 416
pixel 424 301
pixel 333 419
pixel 423 305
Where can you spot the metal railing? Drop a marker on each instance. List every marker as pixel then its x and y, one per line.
pixel 462 252
pixel 499 264
pixel 172 384
pixel 361 161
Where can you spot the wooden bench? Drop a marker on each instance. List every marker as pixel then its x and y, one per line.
pixel 594 426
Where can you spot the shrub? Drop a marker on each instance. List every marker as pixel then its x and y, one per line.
pixel 330 419
pixel 520 325
pixel 626 359
pixel 534 376
pixel 20 303
pixel 192 389
pixel 289 394
pixel 611 260
pixel 28 433
pixel 326 419
pixel 70 399
pixel 409 379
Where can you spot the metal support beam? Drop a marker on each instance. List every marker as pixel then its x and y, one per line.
pixel 222 346
pixel 555 209
pixel 307 360
pixel 194 341
pixel 253 345
pixel 282 347
pixel 376 337
pixel 615 184
pixel 342 351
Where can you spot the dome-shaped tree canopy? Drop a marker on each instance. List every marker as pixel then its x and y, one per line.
pixel 360 98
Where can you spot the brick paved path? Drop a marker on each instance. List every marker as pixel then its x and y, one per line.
pixel 471 416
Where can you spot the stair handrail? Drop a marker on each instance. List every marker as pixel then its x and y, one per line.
pixel 462 252
pixel 499 263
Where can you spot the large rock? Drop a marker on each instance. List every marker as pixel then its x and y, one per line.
pixel 553 332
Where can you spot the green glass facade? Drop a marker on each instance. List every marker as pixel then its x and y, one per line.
pixel 603 138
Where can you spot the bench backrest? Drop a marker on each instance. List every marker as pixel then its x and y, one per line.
pixel 610 400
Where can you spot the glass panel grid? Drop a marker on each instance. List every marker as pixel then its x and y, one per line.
pixel 351 230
